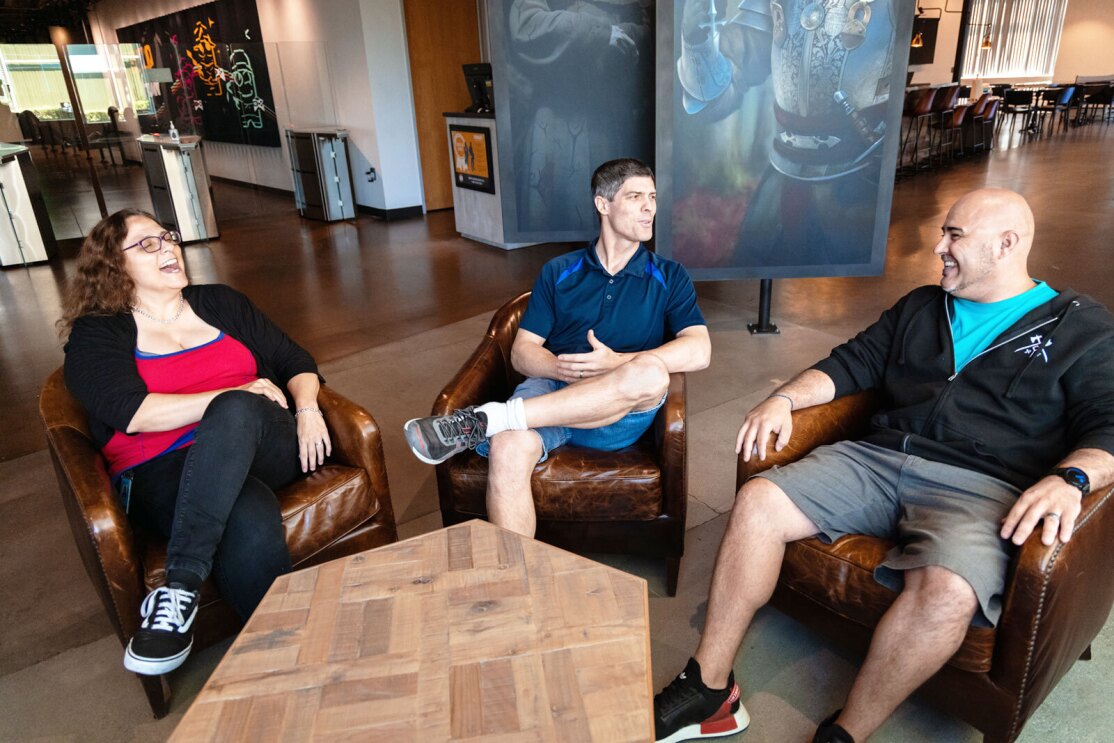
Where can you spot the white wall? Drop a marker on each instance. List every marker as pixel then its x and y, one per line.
pixel 947 39
pixel 340 61
pixel 1087 43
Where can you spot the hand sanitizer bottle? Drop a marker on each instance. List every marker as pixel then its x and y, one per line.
pixel 173 133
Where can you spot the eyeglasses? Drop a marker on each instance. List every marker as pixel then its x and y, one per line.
pixel 153 243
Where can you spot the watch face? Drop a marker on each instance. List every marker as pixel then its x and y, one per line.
pixel 1076 477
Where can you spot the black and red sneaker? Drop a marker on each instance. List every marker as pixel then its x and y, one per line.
pixel 689 710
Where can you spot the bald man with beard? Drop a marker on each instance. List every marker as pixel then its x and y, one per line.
pixel 998 416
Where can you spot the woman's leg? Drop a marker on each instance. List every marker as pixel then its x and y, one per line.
pixel 253 551
pixel 240 435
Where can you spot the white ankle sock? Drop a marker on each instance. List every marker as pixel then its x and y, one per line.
pixel 504 416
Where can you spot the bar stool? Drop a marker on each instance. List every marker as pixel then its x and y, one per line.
pixel 918 109
pixel 943 107
pixel 949 133
pixel 974 138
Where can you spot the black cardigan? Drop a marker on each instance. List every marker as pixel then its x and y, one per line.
pixel 100 365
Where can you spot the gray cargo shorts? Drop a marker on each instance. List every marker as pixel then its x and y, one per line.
pixel 938 514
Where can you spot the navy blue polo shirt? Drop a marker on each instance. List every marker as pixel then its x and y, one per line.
pixel 638 309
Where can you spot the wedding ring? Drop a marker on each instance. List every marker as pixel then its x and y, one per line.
pixel 1051 515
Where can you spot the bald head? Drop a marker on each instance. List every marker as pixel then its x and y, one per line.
pixel 985 245
pixel 998 210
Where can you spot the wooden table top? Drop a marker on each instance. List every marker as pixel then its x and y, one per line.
pixel 466 633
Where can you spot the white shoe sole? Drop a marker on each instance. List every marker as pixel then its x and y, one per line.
pixel 149 667
pixel 692 732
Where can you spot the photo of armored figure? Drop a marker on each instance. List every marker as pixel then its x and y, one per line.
pixel 780 120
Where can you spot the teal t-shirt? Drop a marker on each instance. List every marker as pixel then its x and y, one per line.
pixel 975 325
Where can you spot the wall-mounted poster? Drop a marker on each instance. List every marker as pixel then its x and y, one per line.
pixel 220 88
pixel 778 126
pixel 574 87
pixel 472 158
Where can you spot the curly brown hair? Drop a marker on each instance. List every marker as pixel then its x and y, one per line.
pixel 101 285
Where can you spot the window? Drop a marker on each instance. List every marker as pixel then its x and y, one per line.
pixel 1024 38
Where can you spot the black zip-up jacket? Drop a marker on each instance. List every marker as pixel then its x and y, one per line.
pixel 100 365
pixel 1042 389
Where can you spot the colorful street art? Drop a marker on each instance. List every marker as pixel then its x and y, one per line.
pixel 220 85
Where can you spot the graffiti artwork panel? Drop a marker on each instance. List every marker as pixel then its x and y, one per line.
pixel 221 88
pixel 778 126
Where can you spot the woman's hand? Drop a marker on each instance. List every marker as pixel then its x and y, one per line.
pixel 313 439
pixel 266 388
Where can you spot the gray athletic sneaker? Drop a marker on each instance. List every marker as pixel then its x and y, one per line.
pixel 435 439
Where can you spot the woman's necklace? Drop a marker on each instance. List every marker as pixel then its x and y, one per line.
pixel 177 314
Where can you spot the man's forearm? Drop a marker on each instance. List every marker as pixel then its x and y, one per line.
pixel 810 387
pixel 685 353
pixel 531 360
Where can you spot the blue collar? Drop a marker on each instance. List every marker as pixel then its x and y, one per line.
pixel 636 266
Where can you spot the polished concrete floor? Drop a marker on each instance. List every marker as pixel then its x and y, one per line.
pixel 390 310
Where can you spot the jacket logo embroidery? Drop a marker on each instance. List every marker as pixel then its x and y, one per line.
pixel 1037 346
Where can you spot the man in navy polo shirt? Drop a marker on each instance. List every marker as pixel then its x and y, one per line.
pixel 605 327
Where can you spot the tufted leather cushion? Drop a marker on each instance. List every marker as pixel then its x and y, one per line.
pixel 575 484
pixel 840 577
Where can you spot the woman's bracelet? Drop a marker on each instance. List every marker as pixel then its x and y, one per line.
pixel 299 411
pixel 792 405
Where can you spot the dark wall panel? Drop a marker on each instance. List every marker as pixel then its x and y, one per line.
pixel 573 88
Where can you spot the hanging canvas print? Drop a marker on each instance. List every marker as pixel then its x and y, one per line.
pixel 220 88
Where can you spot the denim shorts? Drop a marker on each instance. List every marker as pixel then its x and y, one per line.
pixel 618 435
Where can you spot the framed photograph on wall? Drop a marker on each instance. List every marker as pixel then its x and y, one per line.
pixel 472 166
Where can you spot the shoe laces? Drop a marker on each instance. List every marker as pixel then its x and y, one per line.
pixel 676 694
pixel 163 608
pixel 463 425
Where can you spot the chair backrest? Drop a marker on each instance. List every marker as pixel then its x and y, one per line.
pixel 1065 95
pixel 924 102
pixel 991 111
pixel 946 99
pixel 981 104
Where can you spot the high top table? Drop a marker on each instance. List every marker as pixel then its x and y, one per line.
pixel 470 632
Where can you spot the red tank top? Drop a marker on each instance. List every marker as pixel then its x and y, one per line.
pixel 222 362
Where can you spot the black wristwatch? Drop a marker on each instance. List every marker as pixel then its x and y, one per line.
pixel 1075 477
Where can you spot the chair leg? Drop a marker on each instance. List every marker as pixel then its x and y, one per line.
pixel 672 573
pixel 158 694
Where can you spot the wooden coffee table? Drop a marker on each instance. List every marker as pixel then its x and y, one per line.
pixel 465 633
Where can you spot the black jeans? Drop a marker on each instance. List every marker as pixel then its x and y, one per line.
pixel 215 502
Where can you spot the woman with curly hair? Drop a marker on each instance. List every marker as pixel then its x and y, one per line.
pixel 190 390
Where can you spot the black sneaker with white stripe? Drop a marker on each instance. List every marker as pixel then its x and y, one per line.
pixel 165 637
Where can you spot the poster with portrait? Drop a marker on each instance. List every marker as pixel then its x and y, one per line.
pixel 778 128
pixel 574 87
pixel 220 85
pixel 472 158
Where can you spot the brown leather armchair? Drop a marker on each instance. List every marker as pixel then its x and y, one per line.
pixel 630 501
pixel 342 508
pixel 1057 598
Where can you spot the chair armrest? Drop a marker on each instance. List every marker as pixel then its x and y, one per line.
pixel 669 433
pixel 103 535
pixel 1056 602
pixel 483 378
pixel 357 442
pixel 843 418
